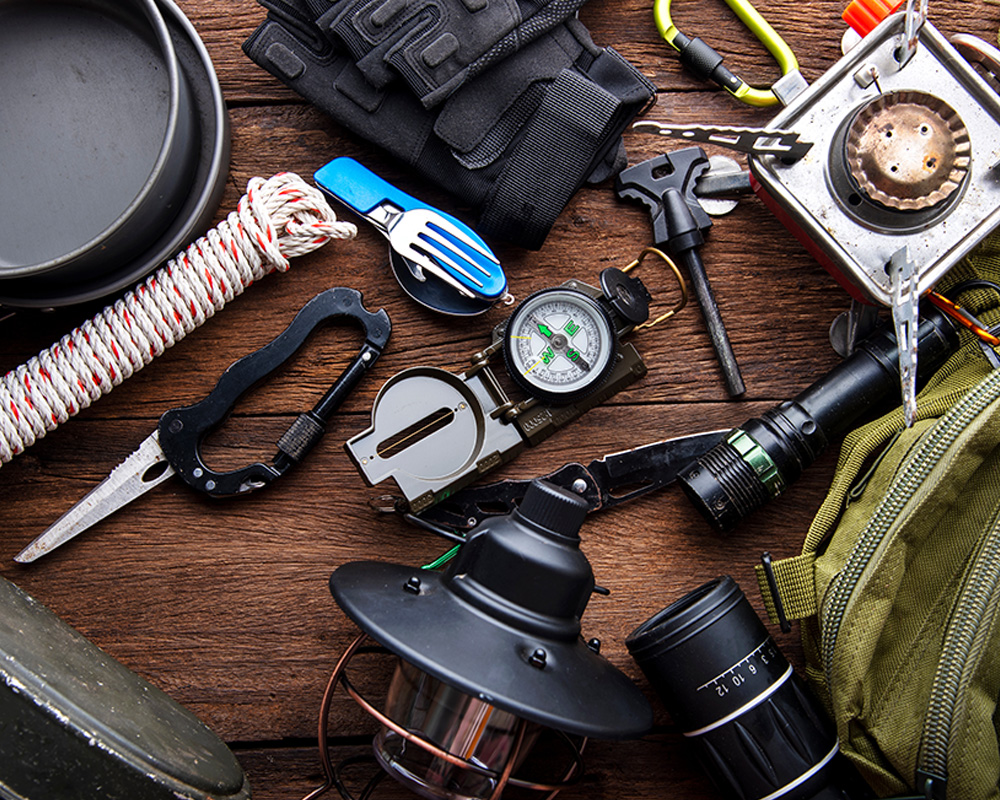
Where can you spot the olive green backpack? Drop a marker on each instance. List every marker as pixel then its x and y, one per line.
pixel 898 583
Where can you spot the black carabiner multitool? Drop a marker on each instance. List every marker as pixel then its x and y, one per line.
pixel 175 446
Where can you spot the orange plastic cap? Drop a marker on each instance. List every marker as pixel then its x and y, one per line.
pixel 864 15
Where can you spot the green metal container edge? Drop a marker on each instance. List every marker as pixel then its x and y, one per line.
pixel 76 723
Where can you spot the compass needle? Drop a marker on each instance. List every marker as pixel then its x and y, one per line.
pixel 561 343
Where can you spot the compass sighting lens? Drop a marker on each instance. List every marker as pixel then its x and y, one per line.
pixel 756 728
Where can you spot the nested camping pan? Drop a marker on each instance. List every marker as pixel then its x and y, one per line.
pixel 114 145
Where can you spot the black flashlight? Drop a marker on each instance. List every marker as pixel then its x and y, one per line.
pixel 756 727
pixel 758 460
pixel 489 653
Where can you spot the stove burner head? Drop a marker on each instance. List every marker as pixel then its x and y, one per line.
pixel 907 150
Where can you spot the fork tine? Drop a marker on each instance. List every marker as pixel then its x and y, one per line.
pixel 443 226
pixel 444 252
pixel 430 265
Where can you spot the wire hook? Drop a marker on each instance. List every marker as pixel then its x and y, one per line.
pixel 680 282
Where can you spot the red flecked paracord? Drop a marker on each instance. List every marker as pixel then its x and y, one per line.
pixel 276 219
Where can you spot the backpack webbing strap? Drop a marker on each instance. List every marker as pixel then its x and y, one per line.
pixel 794 578
pixel 796 587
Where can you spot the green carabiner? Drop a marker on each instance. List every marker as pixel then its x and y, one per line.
pixel 707 63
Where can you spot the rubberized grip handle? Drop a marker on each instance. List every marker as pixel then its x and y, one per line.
pixel 182 430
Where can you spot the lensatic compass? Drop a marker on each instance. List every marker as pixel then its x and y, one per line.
pixel 434 431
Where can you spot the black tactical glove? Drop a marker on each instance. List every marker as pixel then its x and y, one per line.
pixel 515 143
pixel 435 45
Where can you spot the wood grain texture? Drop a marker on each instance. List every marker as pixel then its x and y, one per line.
pixel 225 604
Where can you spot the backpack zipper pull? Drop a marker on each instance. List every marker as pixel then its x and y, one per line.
pixel 935 787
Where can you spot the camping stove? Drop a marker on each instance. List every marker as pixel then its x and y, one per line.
pixel 904 162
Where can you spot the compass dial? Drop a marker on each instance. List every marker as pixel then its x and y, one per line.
pixel 559 345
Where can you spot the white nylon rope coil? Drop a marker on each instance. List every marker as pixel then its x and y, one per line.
pixel 276 219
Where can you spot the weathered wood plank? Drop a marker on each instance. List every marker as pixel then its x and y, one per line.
pixel 225 604
pixel 657 766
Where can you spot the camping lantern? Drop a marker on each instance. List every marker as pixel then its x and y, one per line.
pixel 489 655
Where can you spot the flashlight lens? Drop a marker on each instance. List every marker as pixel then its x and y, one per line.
pixel 458 723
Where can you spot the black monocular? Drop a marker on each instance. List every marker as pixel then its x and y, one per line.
pixel 753 722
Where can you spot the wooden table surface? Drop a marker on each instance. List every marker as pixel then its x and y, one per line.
pixel 225 605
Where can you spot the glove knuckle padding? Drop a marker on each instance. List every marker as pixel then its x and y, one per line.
pixel 435 46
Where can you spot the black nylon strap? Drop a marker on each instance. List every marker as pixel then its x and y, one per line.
pixel 574 129
pixel 550 160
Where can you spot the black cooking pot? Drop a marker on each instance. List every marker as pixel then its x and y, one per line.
pixel 114 145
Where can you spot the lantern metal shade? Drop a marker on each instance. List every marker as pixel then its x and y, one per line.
pixel 502 623
pixel 576 690
pixel 490 654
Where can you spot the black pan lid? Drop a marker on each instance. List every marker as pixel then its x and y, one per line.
pixel 78 723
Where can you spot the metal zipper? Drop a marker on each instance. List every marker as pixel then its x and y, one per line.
pixel 911 474
pixel 968 632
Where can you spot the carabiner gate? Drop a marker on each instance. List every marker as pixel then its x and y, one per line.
pixel 706 62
